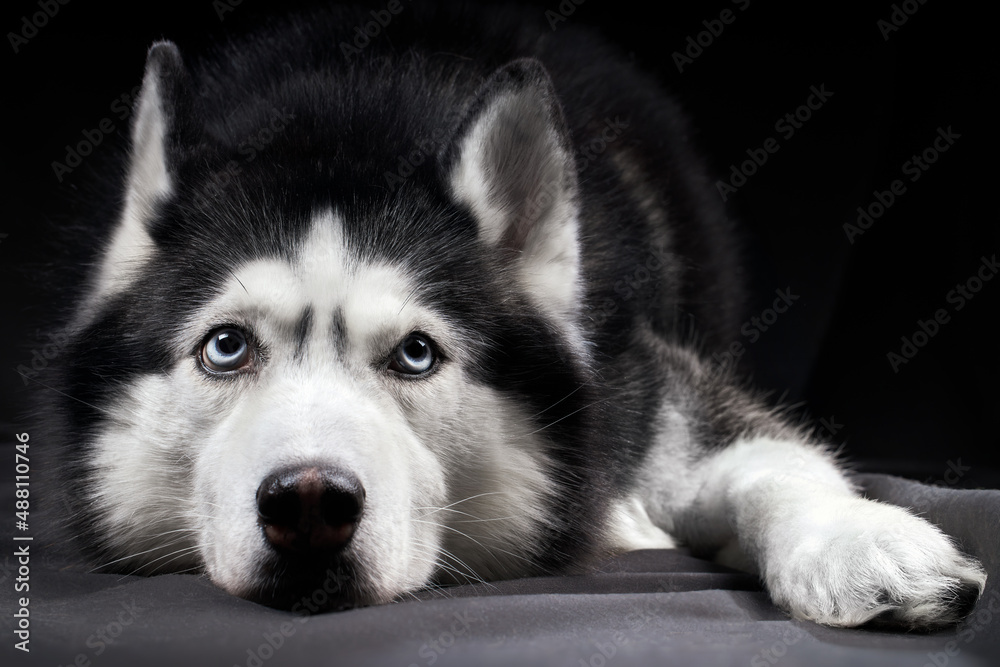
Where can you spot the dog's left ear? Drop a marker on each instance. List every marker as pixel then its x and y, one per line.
pixel 511 163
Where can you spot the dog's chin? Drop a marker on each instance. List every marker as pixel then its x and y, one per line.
pixel 310 585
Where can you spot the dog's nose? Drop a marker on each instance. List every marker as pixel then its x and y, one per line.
pixel 309 509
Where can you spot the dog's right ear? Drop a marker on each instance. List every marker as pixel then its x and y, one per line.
pixel 159 125
pixel 511 162
pixel 161 130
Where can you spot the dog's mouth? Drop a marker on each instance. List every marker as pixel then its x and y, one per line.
pixel 309 585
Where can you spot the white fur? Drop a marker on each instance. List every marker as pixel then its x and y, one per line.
pixel 470 185
pixel 455 476
pixel 148 182
pixel 632 529
pixel 453 472
pixel 139 456
pixel 548 266
pixel 664 484
pixel 784 509
pixel 143 457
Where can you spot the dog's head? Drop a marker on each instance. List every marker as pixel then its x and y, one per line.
pixel 328 378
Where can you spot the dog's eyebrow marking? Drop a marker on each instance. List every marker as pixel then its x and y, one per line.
pixel 302 331
pixel 338 328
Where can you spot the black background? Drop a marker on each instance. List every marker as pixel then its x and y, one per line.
pixel 890 96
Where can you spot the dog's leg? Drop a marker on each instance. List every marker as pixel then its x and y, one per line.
pixel 763 496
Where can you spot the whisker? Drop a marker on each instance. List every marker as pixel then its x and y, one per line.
pixel 133 555
pixel 467 572
pixel 553 423
pixel 463 500
pixel 485 548
pixel 180 554
pixel 74 398
pixel 559 401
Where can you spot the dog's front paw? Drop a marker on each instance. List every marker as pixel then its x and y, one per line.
pixel 847 561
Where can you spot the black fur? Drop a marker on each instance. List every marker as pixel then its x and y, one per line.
pixel 348 123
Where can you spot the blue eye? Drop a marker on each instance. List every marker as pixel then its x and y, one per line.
pixel 414 356
pixel 226 350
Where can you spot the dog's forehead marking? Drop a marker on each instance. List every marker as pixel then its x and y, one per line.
pixel 302 331
pixel 325 290
pixel 338 331
pixel 323 262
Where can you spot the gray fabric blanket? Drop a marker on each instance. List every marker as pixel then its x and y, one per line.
pixel 644 608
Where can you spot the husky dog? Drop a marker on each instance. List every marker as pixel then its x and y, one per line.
pixel 385 308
